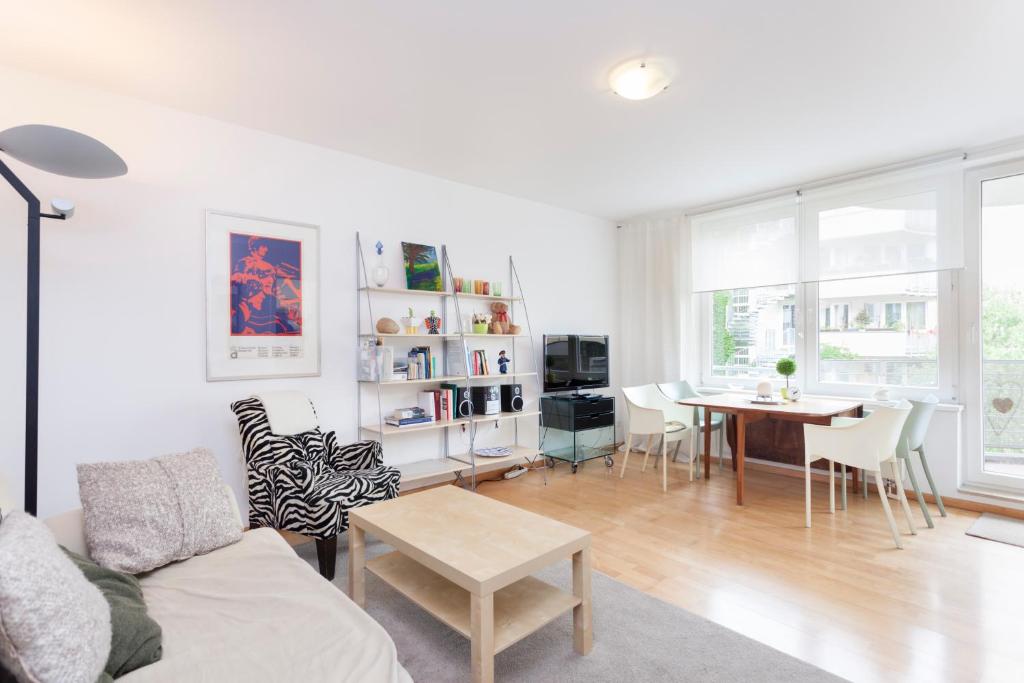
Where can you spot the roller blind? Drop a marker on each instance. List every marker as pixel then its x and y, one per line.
pixel 887 228
pixel 751 246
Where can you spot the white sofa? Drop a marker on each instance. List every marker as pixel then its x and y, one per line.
pixel 253 611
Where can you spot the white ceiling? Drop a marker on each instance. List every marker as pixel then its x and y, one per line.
pixel 512 96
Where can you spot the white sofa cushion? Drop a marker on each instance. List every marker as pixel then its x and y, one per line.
pixel 54 624
pixel 255 611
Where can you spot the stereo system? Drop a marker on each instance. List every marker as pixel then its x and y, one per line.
pixel 463 406
pixel 512 398
pixel 486 400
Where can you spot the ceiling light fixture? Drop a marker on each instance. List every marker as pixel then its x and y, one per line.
pixel 640 79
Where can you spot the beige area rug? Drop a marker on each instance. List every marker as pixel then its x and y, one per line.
pixel 637 639
pixel 998 528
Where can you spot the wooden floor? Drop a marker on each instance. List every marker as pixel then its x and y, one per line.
pixel 948 607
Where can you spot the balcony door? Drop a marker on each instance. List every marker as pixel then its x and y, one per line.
pixel 995 450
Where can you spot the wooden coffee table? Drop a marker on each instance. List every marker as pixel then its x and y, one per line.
pixel 467 560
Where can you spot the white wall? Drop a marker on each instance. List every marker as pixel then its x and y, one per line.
pixel 123 313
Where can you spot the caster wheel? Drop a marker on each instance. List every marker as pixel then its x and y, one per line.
pixel 609 461
pixel 575 466
pixel 549 463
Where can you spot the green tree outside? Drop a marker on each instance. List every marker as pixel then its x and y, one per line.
pixel 833 352
pixel 1002 324
pixel 724 343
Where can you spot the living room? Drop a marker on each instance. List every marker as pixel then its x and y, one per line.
pixel 526 343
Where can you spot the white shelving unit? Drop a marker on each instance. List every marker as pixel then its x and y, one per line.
pixel 446 465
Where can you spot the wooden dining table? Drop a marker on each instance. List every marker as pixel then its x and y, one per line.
pixel 741 411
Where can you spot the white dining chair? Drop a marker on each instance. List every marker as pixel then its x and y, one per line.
pixel 912 440
pixel 869 443
pixel 651 414
pixel 676 391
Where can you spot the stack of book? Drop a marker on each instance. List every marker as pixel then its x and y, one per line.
pixel 407 417
pixel 480 364
pixel 422 363
pixel 438 403
pixel 458 359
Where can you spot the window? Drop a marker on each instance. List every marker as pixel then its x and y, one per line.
pixel 874 264
pixel 866 353
pixel 916 315
pixel 749 330
pixel 893 315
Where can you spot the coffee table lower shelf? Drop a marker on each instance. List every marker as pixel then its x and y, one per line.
pixel 519 608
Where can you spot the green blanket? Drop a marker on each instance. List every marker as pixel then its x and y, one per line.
pixel 136 638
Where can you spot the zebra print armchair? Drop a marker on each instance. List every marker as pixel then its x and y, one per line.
pixel 307 483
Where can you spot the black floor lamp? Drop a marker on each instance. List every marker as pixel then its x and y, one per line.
pixel 67 153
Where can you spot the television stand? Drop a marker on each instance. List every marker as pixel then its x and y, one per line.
pixel 578 428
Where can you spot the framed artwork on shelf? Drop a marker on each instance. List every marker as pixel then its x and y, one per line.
pixel 262 298
pixel 422 270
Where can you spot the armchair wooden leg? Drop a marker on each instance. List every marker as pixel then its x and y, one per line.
pixel 326 553
pixel 625 458
pixel 647 453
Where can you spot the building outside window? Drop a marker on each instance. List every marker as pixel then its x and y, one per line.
pixel 752 329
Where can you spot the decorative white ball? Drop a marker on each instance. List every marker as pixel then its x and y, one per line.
pixel 764 389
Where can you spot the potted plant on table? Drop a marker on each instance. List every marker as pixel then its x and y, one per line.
pixel 787 368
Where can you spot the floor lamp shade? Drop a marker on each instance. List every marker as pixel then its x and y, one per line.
pixel 61 151
pixel 68 153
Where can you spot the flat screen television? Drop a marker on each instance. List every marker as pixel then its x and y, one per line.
pixel 575 361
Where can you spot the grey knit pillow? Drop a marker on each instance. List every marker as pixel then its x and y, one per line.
pixel 143 514
pixel 54 624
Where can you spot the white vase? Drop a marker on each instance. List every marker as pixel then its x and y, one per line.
pixel 380 273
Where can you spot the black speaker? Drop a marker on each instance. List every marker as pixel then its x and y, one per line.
pixel 463 406
pixel 512 398
pixel 486 400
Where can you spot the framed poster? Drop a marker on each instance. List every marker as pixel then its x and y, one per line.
pixel 262 298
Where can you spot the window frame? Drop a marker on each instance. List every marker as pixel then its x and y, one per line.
pixel 949 188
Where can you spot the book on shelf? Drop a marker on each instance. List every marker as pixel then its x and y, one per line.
pixel 404 413
pixel 438 403
pixel 421 363
pixel 426 402
pixel 408 422
pixel 459 359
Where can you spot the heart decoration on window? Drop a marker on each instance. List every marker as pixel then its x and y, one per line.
pixel 1003 405
pixel 1004 398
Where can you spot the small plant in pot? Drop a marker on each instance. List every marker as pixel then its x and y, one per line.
pixel 787 368
pixel 481 323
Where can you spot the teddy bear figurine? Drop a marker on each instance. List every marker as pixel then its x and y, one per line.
pixel 499 321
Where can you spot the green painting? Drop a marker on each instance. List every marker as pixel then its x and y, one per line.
pixel 422 270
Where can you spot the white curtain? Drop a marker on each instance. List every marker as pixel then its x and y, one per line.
pixel 883 228
pixel 754 245
pixel 654 300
